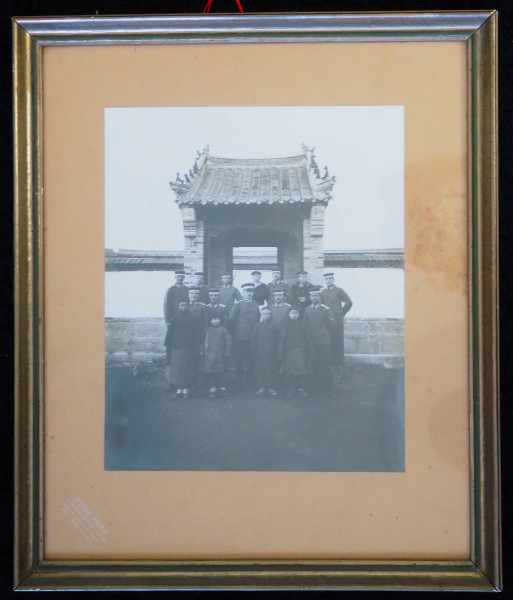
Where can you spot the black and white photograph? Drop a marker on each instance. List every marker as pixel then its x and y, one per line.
pixel 254 288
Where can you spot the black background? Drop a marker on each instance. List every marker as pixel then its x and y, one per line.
pixel 11 8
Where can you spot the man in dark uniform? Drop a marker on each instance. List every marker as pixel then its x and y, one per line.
pixel 299 294
pixel 228 294
pixel 261 293
pixel 199 282
pixel 243 319
pixel 338 301
pixel 198 312
pixel 215 308
pixel 175 294
pixel 319 324
pixel 278 283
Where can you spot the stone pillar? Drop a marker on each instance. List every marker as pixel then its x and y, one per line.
pixel 193 230
pixel 313 234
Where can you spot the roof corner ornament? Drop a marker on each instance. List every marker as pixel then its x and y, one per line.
pixel 314 167
pixel 326 174
pixel 178 178
pixel 205 151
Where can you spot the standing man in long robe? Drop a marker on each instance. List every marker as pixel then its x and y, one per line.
pixel 198 311
pixel 294 354
pixel 228 293
pixel 319 324
pixel 266 340
pixel 180 350
pixel 178 292
pixel 218 345
pixel 243 319
pixel 339 302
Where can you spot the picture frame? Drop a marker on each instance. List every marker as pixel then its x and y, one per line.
pixel 33 571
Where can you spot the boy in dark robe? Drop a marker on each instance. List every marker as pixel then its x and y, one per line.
pixel 180 350
pixel 265 352
pixel 218 344
pixel 294 357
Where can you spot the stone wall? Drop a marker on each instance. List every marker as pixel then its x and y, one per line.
pixel 138 341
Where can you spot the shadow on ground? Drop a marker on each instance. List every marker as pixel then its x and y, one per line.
pixel 361 428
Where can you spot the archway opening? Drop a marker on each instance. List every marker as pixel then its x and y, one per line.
pixel 246 259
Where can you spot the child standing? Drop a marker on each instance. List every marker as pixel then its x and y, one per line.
pixel 218 345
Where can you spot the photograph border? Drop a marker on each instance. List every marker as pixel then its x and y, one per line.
pixel 483 570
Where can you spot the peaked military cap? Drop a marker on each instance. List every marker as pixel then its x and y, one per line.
pixel 256 273
pixel 301 273
pixel 213 290
pixel 248 286
pixel 329 274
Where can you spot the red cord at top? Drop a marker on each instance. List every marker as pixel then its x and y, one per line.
pixel 208 6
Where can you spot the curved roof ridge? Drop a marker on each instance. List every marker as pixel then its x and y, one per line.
pixel 253 161
pixel 223 180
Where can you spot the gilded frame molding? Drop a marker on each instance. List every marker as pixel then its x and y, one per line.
pixel 483 571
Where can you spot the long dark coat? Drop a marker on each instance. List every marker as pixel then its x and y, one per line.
pixel 218 344
pixel 294 348
pixel 265 352
pixel 339 302
pixel 180 349
pixel 174 295
pixel 319 323
pixel 199 313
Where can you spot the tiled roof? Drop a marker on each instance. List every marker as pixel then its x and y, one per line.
pixel 236 181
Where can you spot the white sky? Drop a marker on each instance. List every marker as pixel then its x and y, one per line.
pixel 362 146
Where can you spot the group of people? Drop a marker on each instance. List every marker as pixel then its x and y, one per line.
pixel 276 336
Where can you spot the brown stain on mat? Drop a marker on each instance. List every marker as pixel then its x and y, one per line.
pixel 436 213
